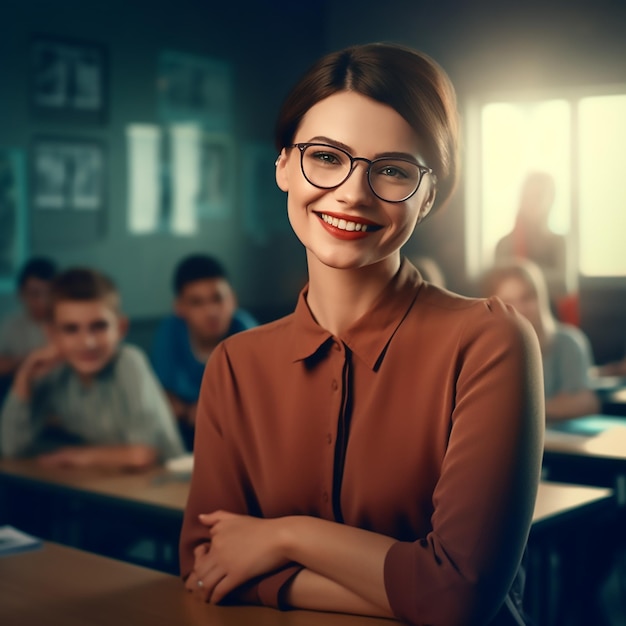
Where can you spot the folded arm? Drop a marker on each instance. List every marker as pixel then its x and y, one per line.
pixel 130 457
pixel 568 405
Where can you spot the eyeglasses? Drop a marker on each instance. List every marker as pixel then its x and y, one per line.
pixel 391 179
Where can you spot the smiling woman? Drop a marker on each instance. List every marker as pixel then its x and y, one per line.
pixel 377 451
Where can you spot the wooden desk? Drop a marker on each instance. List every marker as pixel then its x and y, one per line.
pixel 562 513
pixel 589 449
pixel 76 507
pixel 60 586
pixel 167 494
pixel 558 502
pixel 156 500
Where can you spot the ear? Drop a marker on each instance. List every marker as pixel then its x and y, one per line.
pixel 428 203
pixel 282 177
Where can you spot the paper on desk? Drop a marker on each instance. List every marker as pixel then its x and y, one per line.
pixel 13 540
pixel 181 464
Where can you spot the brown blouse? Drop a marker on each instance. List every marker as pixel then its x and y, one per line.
pixel 422 422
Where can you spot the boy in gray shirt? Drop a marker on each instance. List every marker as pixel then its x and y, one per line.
pixel 90 386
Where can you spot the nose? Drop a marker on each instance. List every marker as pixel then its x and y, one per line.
pixel 356 187
pixel 89 340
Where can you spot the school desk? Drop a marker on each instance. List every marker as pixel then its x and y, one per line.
pixel 62 586
pixel 589 450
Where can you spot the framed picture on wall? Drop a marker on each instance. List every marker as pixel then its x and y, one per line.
pixel 68 80
pixel 68 188
pixel 12 216
pixel 216 182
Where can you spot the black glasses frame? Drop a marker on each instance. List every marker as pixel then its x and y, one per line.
pixel 423 170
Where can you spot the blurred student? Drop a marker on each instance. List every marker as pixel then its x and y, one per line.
pixel 89 387
pixel 532 238
pixel 566 352
pixel 24 331
pixel 205 312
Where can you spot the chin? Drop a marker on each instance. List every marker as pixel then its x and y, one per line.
pixel 88 369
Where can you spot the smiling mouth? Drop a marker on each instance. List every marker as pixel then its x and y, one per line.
pixel 348 225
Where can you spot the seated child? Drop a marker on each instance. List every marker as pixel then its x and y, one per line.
pixel 565 350
pixel 89 386
pixel 205 313
pixel 24 331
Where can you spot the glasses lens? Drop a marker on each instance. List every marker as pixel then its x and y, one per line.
pixel 393 179
pixel 325 166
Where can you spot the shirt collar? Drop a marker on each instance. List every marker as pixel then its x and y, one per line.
pixel 369 336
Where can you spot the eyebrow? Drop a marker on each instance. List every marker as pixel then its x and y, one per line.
pixel 339 144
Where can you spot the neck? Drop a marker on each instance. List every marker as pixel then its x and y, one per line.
pixel 339 297
pixel 203 346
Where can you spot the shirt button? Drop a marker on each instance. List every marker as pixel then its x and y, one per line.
pixel 329 438
pixel 325 496
pixel 334 385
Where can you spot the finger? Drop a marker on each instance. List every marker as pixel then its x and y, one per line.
pixel 209 581
pixel 191 584
pixel 222 588
pixel 216 516
pixel 201 549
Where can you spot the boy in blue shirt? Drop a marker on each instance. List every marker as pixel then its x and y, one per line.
pixel 206 312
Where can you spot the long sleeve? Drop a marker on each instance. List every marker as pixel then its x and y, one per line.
pixel 460 572
pixel 148 418
pixel 422 422
pixel 20 422
pixel 219 478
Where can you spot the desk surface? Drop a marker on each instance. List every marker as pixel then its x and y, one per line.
pixel 557 501
pixel 59 586
pixel 156 487
pixel 160 489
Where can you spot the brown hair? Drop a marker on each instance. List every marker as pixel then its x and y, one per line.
pixel 85 284
pixel 408 81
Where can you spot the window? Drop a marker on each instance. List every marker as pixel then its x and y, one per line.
pixel 581 143
pixel 602 185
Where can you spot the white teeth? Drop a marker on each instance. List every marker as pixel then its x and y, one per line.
pixel 344 224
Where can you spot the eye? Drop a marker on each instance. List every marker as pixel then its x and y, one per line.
pixel 325 157
pixel 392 170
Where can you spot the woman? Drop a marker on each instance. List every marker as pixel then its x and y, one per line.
pixel 565 349
pixel 377 451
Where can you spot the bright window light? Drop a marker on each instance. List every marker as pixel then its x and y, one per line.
pixel 602 185
pixel 518 138
pixel 144 189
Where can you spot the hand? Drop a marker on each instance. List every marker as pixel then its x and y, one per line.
pixel 241 547
pixel 70 456
pixel 36 365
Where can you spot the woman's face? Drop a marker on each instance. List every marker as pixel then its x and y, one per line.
pixel 364 128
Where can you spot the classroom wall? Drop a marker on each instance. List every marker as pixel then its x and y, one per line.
pixel 266 43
